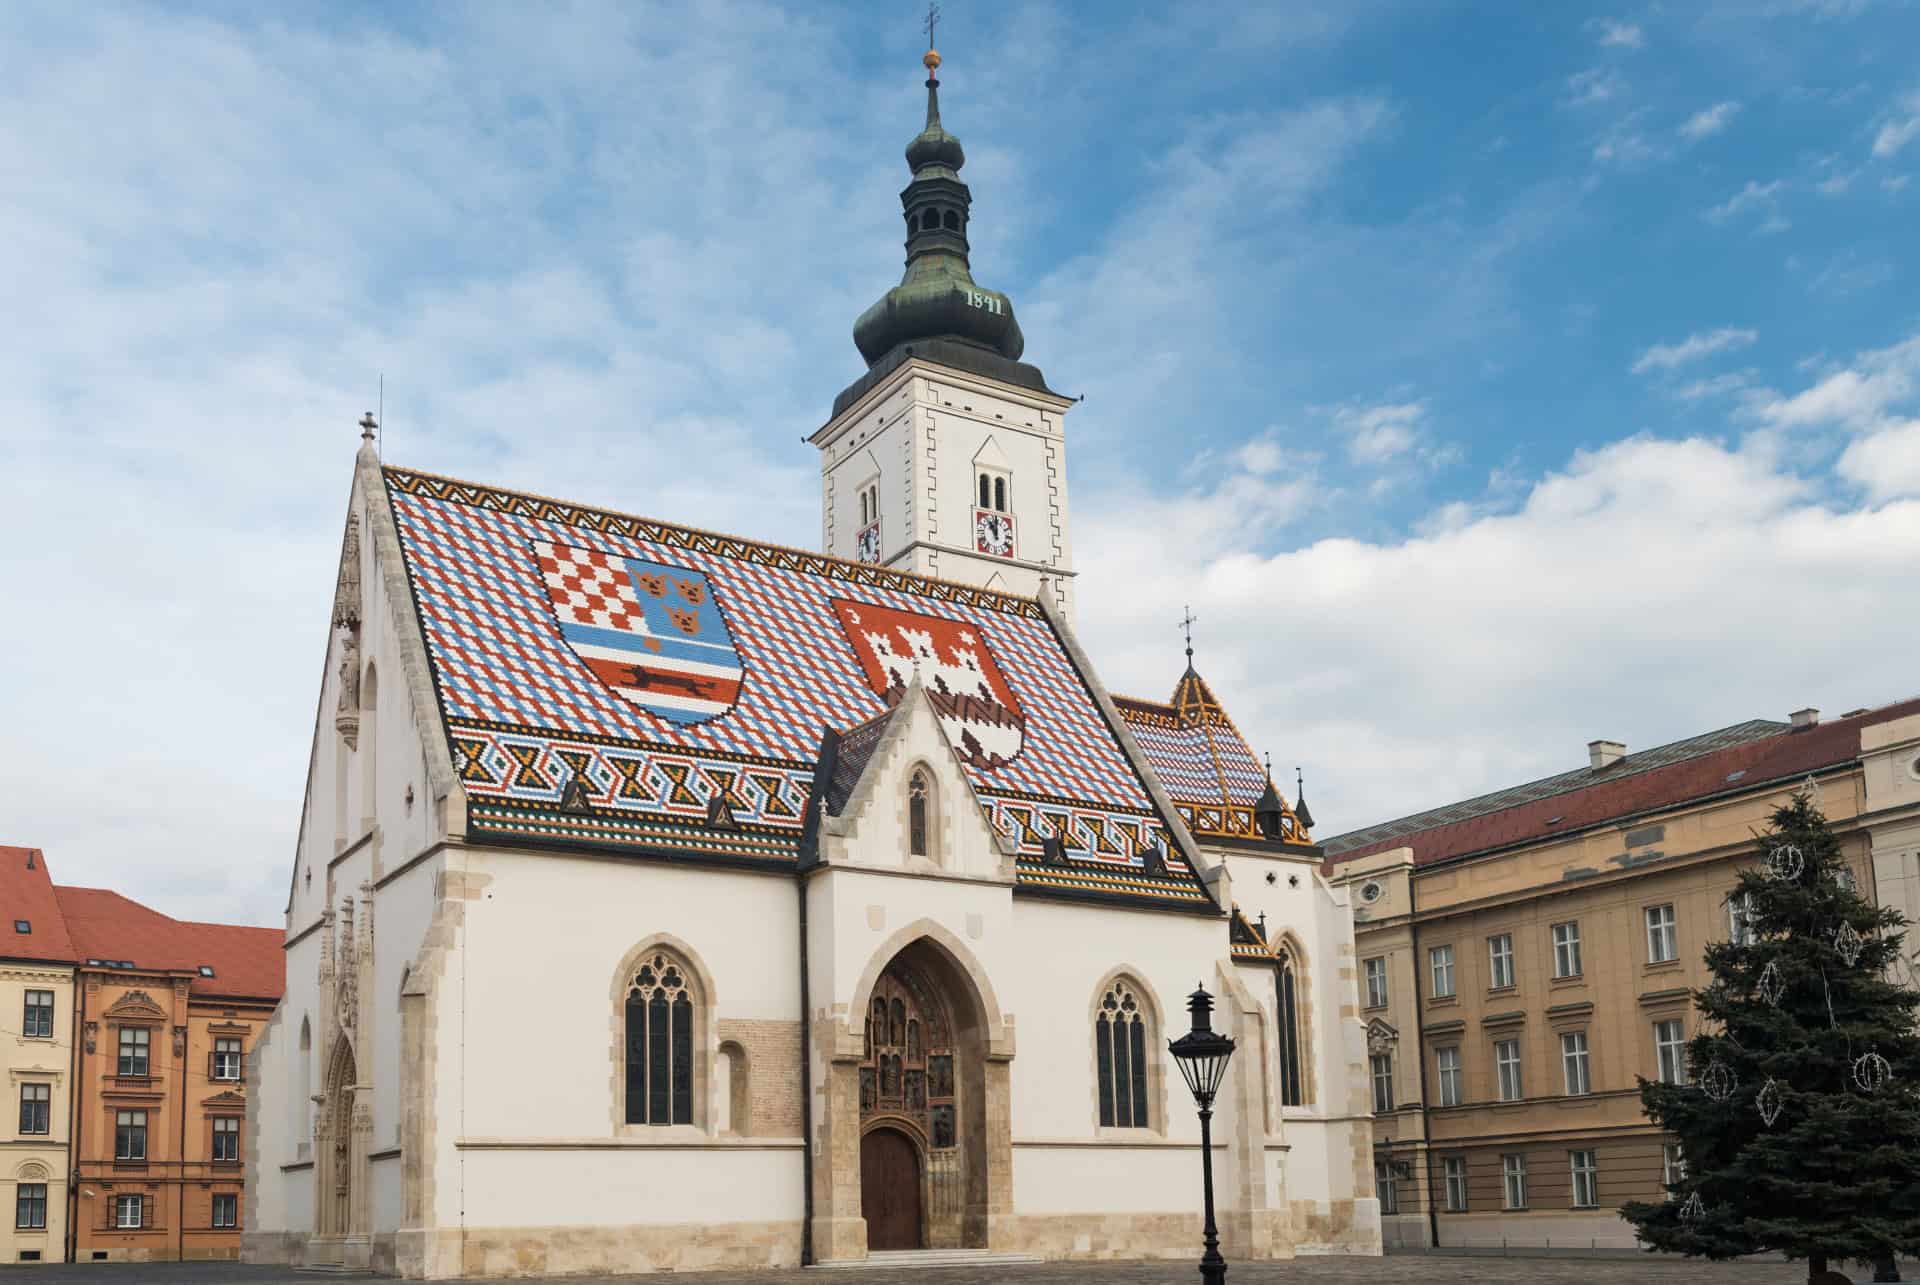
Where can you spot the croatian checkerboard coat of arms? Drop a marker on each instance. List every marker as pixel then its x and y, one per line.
pixel 651 632
pixel 981 717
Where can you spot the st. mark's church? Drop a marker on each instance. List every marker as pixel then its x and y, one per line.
pixel 671 900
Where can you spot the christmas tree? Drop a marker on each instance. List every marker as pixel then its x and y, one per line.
pixel 1799 1128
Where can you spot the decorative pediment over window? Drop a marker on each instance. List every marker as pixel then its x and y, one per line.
pixel 1381 1037
pixel 225 1102
pixel 137 1004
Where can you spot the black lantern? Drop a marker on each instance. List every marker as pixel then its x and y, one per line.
pixel 1202 1055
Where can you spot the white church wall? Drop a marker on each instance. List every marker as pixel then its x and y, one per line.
pixel 617 1186
pixel 876 451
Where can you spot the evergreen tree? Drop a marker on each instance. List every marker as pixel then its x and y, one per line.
pixel 1799 1127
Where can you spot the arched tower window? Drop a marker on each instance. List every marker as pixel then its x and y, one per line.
pixel 918 789
pixel 953 220
pixel 659 1042
pixel 986 492
pixel 1121 1041
pixel 1000 494
pixel 1292 1089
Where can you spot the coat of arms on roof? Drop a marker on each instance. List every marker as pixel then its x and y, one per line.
pixel 651 632
pixel 975 705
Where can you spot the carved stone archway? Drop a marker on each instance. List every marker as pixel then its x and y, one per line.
pixel 342 1133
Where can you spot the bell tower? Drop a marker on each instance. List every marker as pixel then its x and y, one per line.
pixel 948 456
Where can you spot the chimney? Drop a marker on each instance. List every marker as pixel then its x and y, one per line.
pixel 1605 753
pixel 1804 717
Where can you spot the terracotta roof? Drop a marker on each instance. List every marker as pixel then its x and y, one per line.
pixel 26 895
pixel 1760 754
pixel 103 925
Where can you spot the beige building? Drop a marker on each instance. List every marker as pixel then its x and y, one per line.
pixel 1526 954
pixel 36 1007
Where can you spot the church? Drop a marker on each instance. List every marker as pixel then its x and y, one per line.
pixel 669 900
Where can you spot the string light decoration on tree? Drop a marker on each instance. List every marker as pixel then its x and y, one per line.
pixel 1802 1134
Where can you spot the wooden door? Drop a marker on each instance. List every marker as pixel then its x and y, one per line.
pixel 890 1190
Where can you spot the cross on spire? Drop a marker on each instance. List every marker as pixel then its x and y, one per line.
pixel 1186 623
pixel 932 21
pixel 367 426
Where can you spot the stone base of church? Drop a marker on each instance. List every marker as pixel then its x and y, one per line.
pixel 300 1249
pixel 444 1253
pixel 1336 1226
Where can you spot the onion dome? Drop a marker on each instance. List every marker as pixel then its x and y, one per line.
pixel 938 311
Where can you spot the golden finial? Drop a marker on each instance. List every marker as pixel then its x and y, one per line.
pixel 932 60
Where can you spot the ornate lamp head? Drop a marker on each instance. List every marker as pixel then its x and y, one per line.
pixel 1202 1053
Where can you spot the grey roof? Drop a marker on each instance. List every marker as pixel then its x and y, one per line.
pixel 1563 783
pixel 857 745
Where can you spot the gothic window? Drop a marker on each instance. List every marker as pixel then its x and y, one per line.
pixel 953 220
pixel 1121 1041
pixel 659 1045
pixel 1292 1092
pixel 917 791
pixel 1000 494
pixel 986 491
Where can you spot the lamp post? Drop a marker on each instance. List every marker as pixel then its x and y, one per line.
pixel 1201 1054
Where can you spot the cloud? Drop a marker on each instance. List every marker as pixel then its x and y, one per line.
pixel 1856 395
pixel 1898 183
pixel 1593 86
pixel 1885 463
pixel 1625 35
pixel 1729 384
pixel 1693 348
pixel 1753 194
pixel 1900 130
pixel 1709 121
pixel 1377 434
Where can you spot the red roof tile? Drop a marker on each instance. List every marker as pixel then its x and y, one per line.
pixel 26 894
pixel 246 962
pixel 1788 755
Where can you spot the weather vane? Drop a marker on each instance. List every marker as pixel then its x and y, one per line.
pixel 933 20
pixel 1186 623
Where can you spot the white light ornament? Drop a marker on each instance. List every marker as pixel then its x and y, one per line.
pixel 1694 1210
pixel 1848 944
pixel 1770 1102
pixel 1772 984
pixel 1785 863
pixel 1717 1082
pixel 1871 1072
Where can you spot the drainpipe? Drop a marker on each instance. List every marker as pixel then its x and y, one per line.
pixel 180 1156
pixel 809 856
pixel 1420 1045
pixel 74 1117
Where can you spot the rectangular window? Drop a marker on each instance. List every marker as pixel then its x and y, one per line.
pixel 129 1212
pixel 1740 919
pixel 1586 1179
pixel 1455 1168
pixel 130 1135
pixel 1575 1062
pixel 1385 1187
pixel 226 1059
pixel 1382 1067
pixel 1513 1173
pixel 30 1206
pixel 133 1050
pixel 1440 964
pixel 1376 983
pixel 1500 961
pixel 35 1104
pixel 1448 1060
pixel 1566 950
pixel 1670 1051
pixel 1673 1165
pixel 1663 941
pixel 226 1209
pixel 39 1019
pixel 1506 1060
pixel 226 1140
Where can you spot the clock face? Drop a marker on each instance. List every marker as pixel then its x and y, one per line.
pixel 867 544
pixel 993 533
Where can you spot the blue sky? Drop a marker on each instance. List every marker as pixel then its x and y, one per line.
pixel 1489 379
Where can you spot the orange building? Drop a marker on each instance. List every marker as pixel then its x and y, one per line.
pixel 165 1014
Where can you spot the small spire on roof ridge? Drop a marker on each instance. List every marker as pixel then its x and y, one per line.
pixel 1186 623
pixel 367 427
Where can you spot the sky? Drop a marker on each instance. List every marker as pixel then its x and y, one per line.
pixel 1488 379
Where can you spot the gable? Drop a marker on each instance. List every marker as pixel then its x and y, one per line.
pixel 654 668
pixel 1209 771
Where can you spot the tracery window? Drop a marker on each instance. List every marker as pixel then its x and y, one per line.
pixel 1292 1092
pixel 1120 1050
pixel 659 1053
pixel 917 791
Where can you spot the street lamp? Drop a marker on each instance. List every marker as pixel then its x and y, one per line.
pixel 1201 1054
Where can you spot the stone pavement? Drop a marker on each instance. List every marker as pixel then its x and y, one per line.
pixel 1399 1269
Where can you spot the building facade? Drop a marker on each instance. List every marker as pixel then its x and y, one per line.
pixel 36 992
pixel 667 900
pixel 1526 954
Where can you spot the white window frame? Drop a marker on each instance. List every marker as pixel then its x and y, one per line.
pixel 1663 934
pixel 1583 1168
pixel 1510 1084
pixel 1673 1164
pixel 1500 961
pixel 1513 1180
pixel 1450 1081
pixel 1740 918
pixel 214 1211
pixel 1376 971
pixel 1576 1063
pixel 1380 1069
pixel 1566 949
pixel 1670 1055
pixel 121 1204
pixel 1385 1187
pixel 1440 970
pixel 1454 1171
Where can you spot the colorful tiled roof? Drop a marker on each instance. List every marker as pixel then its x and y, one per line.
pixel 246 962
pixel 1747 756
pixel 660 666
pixel 1200 756
pixel 26 896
